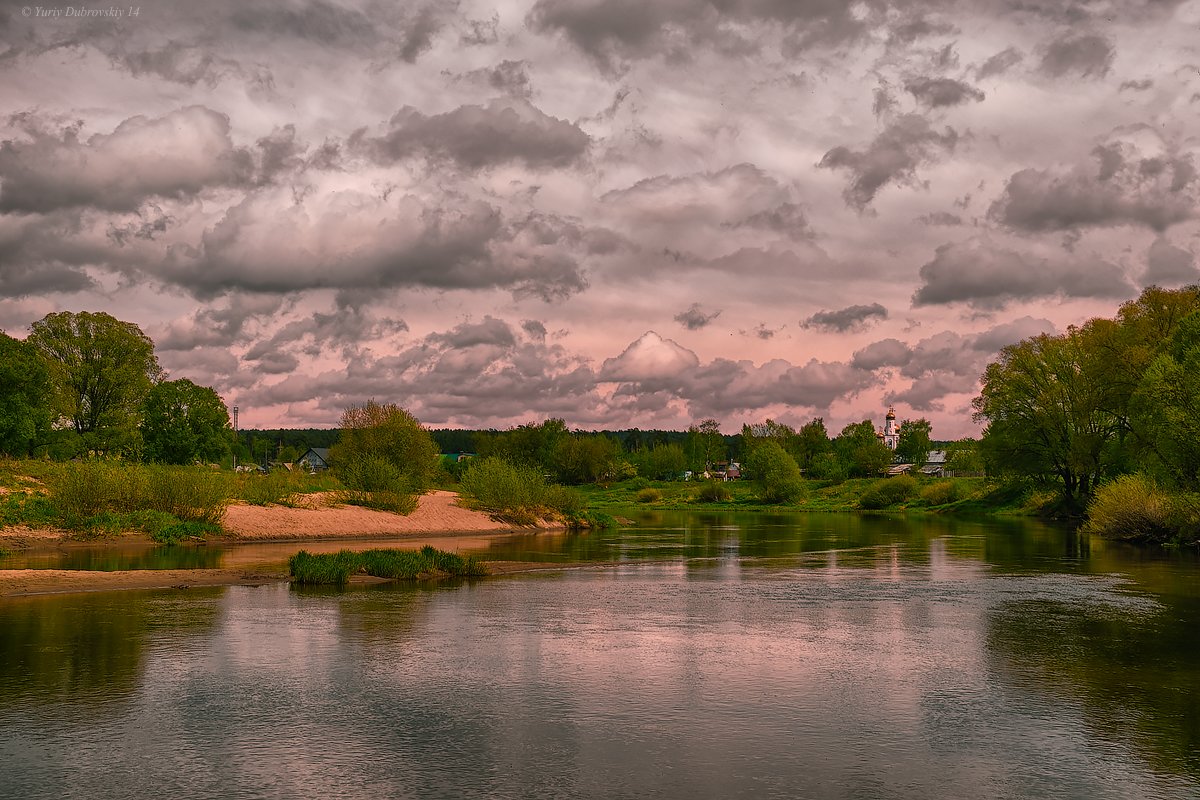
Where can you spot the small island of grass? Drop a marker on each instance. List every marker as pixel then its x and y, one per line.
pixel 336 568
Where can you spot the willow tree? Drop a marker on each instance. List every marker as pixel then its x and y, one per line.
pixel 101 370
pixel 1046 403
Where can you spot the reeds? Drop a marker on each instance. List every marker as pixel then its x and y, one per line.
pixel 336 568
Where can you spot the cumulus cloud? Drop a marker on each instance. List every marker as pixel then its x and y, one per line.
pixel 846 319
pixel 893 157
pixel 941 92
pixel 1124 189
pixel 1086 55
pixel 272 242
pixel 473 136
pixel 986 276
pixel 695 318
pixel 176 155
pixel 651 359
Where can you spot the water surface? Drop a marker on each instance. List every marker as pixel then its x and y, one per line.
pixel 722 656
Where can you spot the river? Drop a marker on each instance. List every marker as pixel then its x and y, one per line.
pixel 691 655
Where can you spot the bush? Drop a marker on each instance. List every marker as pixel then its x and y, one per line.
pixel 374 482
pixel 713 492
pixel 277 488
pixel 775 472
pixel 1133 507
pixel 383 433
pixel 564 500
pixel 888 492
pixel 193 494
pixel 648 495
pixel 638 483
pixel 940 493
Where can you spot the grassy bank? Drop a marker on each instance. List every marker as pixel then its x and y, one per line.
pixel 336 568
pixel 932 495
pixel 100 499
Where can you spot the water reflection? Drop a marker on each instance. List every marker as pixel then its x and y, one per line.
pixel 725 655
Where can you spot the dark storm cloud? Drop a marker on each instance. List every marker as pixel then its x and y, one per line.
pixel 893 157
pixel 846 319
pixel 479 136
pixel 1169 266
pixel 275 242
pixel 1124 190
pixel 999 64
pixel 614 30
pixel 509 77
pixel 1085 55
pixel 986 276
pixel 884 353
pixel 695 318
pixel 941 92
pixel 176 155
pixel 536 330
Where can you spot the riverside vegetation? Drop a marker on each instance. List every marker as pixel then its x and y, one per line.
pixel 336 568
pixel 1100 423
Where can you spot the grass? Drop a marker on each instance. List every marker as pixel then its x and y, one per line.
pixel 336 568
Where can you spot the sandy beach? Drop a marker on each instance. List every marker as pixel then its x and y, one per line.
pixel 438 520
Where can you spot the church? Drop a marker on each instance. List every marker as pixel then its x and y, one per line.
pixel 890 435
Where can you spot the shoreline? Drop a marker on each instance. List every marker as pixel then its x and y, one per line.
pixel 438 519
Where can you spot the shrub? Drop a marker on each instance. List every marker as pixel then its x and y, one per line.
pixel 713 492
pixel 638 483
pixel 1132 507
pixel 193 494
pixel 375 482
pixel 940 493
pixel 648 495
pixel 564 500
pixel 508 491
pixel 775 472
pixel 374 433
pixel 888 492
pixel 277 488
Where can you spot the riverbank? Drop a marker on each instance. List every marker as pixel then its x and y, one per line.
pixel 965 496
pixel 313 517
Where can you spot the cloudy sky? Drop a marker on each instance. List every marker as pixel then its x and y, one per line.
pixel 619 212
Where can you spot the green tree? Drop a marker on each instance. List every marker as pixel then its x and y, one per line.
pixel 1044 403
pixel 1165 409
pixel 775 472
pixel 812 440
pixel 705 444
pixel 584 458
pixel 915 441
pixel 101 370
pixel 531 445
pixel 863 453
pixel 384 433
pixel 183 423
pixel 24 386
pixel 663 462
pixel 963 456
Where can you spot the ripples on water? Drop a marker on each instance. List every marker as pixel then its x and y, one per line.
pixel 770 662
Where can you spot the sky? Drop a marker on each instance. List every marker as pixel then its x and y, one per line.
pixel 618 212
